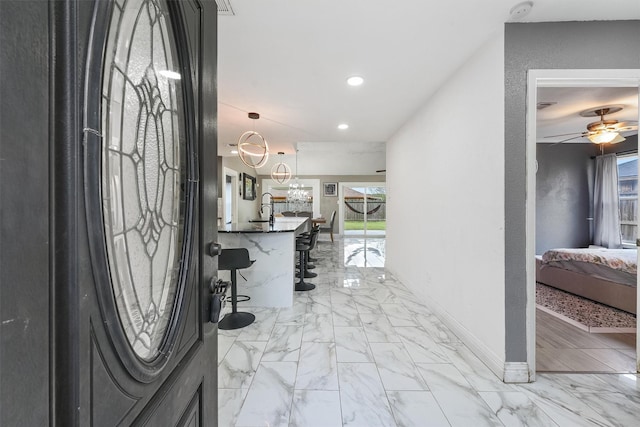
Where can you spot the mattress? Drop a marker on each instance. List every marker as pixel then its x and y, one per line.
pixel 615 265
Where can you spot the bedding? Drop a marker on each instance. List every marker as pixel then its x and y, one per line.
pixel 604 275
pixel 615 265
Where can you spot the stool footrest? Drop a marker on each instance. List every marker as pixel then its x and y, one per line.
pixel 242 298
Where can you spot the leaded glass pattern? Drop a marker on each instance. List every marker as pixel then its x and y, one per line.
pixel 143 172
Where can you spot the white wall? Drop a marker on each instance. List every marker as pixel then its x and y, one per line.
pixel 445 184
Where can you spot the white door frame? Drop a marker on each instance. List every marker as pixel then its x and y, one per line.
pixel 557 78
pixel 234 193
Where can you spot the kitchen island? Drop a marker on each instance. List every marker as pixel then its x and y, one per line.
pixel 270 280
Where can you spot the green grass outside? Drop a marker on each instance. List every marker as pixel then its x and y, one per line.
pixel 371 225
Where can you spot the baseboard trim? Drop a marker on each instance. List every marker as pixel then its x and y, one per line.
pixel 477 347
pixel 496 364
pixel 516 372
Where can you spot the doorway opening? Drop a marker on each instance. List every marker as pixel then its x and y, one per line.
pixel 229 209
pixel 309 206
pixel 541 80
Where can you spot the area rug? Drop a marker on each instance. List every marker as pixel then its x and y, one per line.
pixel 583 313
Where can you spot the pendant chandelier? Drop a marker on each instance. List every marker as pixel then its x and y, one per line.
pixel 297 196
pixel 297 193
pixel 281 172
pixel 253 149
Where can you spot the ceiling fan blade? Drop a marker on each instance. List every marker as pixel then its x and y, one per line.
pixel 568 139
pixel 626 126
pixel 563 134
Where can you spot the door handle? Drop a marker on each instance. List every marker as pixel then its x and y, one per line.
pixel 214 249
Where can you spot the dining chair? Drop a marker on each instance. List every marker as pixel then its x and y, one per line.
pixel 329 228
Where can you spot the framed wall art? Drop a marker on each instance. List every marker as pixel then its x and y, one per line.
pixel 331 189
pixel 248 187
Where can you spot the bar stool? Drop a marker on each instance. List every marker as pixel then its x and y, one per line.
pixel 312 239
pixel 234 259
pixel 309 239
pixel 303 248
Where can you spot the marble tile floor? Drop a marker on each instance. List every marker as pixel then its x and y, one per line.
pixel 360 350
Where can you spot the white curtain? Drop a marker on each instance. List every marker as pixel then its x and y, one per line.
pixel 605 200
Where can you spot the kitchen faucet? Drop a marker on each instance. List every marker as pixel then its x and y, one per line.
pixel 270 205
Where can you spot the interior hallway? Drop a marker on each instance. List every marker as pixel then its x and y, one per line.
pixel 359 350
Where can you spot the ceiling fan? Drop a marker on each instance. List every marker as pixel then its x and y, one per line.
pixel 602 131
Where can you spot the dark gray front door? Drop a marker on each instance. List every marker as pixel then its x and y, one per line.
pixel 151 357
pixel 122 147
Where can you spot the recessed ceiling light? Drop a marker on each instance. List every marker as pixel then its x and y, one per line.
pixel 234 151
pixel 343 126
pixel 355 81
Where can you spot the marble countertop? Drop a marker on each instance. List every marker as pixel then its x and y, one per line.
pixel 285 224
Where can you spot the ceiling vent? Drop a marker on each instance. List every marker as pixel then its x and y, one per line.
pixel 543 105
pixel 224 7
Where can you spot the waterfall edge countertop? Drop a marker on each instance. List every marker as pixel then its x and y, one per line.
pixel 285 224
pixel 270 280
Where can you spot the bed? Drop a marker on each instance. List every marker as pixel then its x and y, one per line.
pixel 604 275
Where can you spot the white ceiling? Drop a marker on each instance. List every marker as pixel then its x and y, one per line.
pixel 289 60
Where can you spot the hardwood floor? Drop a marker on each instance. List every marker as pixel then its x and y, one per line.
pixel 561 347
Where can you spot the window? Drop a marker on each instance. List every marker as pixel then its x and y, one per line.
pixel 628 197
pixel 144 173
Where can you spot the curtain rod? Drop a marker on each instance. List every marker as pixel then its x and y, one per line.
pixel 628 152
pixel 622 153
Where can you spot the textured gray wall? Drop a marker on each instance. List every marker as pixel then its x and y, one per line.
pixel 563 195
pixel 560 45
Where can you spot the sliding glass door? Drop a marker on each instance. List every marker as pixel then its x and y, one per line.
pixel 363 208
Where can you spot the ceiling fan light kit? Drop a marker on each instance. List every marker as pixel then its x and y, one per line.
pixel 606 138
pixel 603 131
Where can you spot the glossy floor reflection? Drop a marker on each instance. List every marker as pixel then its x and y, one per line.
pixel 361 252
pixel 359 350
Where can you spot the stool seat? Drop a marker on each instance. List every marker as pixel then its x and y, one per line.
pixel 305 246
pixel 307 239
pixel 232 260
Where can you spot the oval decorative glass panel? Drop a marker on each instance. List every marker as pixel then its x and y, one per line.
pixel 143 171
